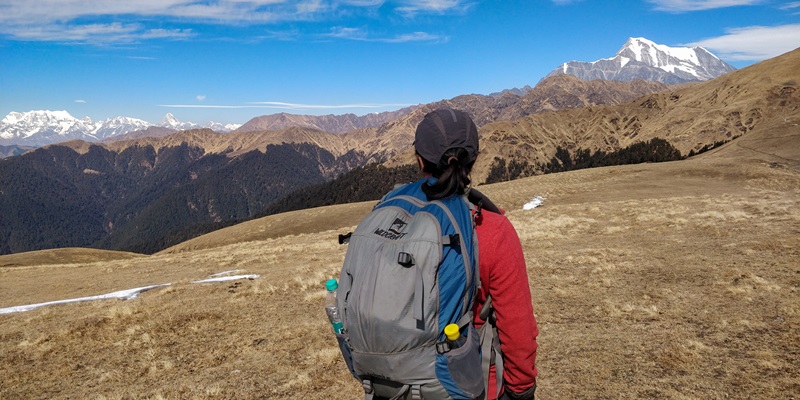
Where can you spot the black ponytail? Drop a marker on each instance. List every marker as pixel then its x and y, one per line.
pixel 452 173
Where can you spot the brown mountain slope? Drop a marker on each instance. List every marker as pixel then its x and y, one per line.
pixel 565 92
pixel 203 138
pixel 241 142
pixel 552 94
pixel 280 225
pixel 776 141
pixel 328 123
pixel 775 146
pixel 389 138
pixel 79 146
pixel 152 131
pixel 765 96
pixel 236 143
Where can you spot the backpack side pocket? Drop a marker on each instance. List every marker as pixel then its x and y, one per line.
pixel 460 369
pixel 345 349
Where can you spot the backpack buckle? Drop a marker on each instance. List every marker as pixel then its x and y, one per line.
pixel 453 240
pixel 416 392
pixel 405 259
pixel 442 347
pixel 367 385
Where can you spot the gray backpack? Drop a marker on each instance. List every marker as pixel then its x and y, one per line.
pixel 410 270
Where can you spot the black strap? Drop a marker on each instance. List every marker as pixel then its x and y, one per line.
pixel 454 240
pixel 480 199
pixel 486 309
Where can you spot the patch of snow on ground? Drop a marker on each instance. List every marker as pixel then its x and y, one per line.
pixel 536 202
pixel 233 271
pixel 125 294
pixel 227 278
pixel 122 295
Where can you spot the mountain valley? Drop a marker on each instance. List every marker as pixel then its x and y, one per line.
pixel 145 192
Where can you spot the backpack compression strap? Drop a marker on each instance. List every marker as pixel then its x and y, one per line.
pixel 491 354
pixel 369 391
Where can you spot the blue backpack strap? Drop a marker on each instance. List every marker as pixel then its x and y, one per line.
pixel 455 209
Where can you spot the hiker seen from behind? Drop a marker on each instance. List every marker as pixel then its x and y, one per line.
pixel 433 300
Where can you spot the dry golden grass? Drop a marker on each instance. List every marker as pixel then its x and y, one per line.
pixel 677 280
pixel 61 256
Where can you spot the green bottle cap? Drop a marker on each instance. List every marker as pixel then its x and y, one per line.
pixel 452 333
pixel 331 285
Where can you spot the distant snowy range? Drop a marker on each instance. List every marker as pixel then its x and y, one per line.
pixel 638 58
pixel 41 128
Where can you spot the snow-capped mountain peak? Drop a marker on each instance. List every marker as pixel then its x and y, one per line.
pixel 37 116
pixel 27 127
pixel 169 121
pixel 119 126
pixel 653 54
pixel 640 58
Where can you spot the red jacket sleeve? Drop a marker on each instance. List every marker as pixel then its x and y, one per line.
pixel 504 276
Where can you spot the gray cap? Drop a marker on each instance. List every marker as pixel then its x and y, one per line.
pixel 444 129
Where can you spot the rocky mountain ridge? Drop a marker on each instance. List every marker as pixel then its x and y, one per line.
pixel 764 96
pixel 329 123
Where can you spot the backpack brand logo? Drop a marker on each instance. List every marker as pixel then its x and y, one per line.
pixel 395 231
pixel 397 226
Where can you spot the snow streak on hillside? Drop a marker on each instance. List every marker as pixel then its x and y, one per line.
pixel 127 294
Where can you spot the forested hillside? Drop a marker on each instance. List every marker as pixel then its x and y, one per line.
pixel 369 182
pixel 142 199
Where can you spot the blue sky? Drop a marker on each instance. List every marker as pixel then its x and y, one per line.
pixel 232 60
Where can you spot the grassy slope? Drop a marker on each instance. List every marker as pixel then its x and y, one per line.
pixel 62 256
pixel 674 280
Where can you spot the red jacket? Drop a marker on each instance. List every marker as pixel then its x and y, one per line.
pixel 504 276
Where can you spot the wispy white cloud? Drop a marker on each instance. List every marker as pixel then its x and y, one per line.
pixel 80 101
pixel 793 6
pixel 697 5
pixel 282 35
pixel 342 32
pixel 200 97
pixel 360 34
pixel 364 3
pixel 415 37
pixel 22 12
pixel 96 33
pixel 288 106
pixel 114 21
pixel 564 2
pixel 753 43
pixel 413 7
pixel 206 106
pixel 297 106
